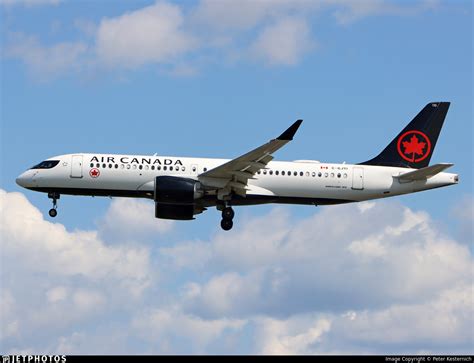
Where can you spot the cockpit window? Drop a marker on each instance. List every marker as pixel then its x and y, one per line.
pixel 47 164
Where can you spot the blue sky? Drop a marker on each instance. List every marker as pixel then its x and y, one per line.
pixel 217 79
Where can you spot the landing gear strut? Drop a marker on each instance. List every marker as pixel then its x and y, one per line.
pixel 53 211
pixel 227 216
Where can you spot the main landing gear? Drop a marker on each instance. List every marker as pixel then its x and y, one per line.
pixel 227 216
pixel 53 211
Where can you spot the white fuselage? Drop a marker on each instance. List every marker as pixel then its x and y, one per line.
pixel 299 182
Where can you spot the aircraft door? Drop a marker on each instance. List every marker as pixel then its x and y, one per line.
pixel 76 166
pixel 358 178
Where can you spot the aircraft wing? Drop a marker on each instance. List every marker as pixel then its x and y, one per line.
pixel 234 175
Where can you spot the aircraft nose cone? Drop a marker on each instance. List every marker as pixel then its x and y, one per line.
pixel 20 180
pixel 24 180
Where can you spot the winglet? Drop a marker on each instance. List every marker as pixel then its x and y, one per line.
pixel 290 132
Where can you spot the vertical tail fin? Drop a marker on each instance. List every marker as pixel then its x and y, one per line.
pixel 414 145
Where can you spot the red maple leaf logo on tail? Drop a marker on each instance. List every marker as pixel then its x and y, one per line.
pixel 414 147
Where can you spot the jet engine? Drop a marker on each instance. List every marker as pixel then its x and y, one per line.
pixel 175 197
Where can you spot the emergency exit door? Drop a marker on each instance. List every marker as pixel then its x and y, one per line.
pixel 358 178
pixel 76 166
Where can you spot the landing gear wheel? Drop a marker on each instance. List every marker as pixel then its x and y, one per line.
pixel 54 196
pixel 228 213
pixel 227 224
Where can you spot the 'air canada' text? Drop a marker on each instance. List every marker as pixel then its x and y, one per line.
pixel 130 160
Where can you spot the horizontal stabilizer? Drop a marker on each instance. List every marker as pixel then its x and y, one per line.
pixel 424 173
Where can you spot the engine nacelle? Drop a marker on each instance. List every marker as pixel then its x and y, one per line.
pixel 174 211
pixel 175 197
pixel 176 190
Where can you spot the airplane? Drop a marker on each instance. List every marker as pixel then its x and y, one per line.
pixel 183 187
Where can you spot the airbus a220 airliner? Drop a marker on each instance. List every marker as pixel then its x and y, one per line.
pixel 184 187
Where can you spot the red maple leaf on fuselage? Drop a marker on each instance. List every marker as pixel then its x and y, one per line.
pixel 414 146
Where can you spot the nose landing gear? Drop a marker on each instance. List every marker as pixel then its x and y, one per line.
pixel 227 216
pixel 53 211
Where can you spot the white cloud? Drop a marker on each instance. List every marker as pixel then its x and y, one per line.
pixel 246 14
pixel 464 211
pixel 49 247
pixel 339 259
pixel 296 335
pixel 347 12
pixel 47 62
pixel 9 323
pixel 187 255
pixel 152 34
pixel 284 43
pixel 226 294
pixel 49 272
pixel 442 325
pixel 351 11
pixel 166 325
pixel 29 2
pixel 58 293
pixel 132 220
pixel 436 324
pixel 180 39
pixel 88 300
pixel 345 280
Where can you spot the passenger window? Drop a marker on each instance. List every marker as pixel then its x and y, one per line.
pixel 326 175
pixel 338 175
pixel 140 167
pixel 104 166
pixel 134 166
pixel 165 168
pixel 194 169
pixel 128 166
pixel 277 172
pixel 97 165
pixel 116 166
pixel 122 166
pixel 345 175
pixel 289 173
pixel 313 174
pixel 158 167
pixel 295 173
pixel 320 174
pixel 92 165
pixel 153 167
pixel 301 173
pixel 270 172
pixel 264 172
pixel 332 175
pixel 282 173
pixel 147 167
pixel 110 166
pixel 183 168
